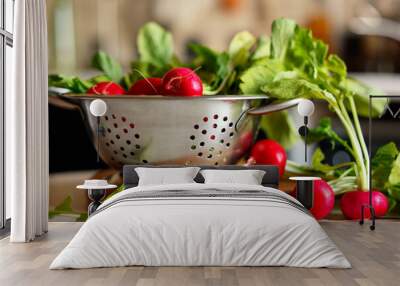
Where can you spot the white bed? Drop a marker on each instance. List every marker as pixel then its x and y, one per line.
pixel 245 225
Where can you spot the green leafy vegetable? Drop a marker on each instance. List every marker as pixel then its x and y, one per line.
pixel 337 67
pixel 311 73
pixel 228 64
pixel 394 176
pixel 361 93
pixel 116 191
pixel 263 48
pixel 111 68
pixel 280 127
pixel 205 57
pixel 307 54
pixel 214 67
pixel 73 83
pixel 316 162
pixel 393 186
pixel 239 48
pixel 155 45
pixel 156 54
pixel 324 131
pixel 289 88
pixel 64 207
pixel 99 78
pixel 386 172
pixel 282 33
pixel 382 164
pixel 257 76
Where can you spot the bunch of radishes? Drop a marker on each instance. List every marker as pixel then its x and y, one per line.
pixel 270 152
pixel 178 81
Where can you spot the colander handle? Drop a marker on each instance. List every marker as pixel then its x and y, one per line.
pixel 57 98
pixel 270 108
pixel 267 109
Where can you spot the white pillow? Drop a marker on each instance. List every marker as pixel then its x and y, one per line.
pixel 164 176
pixel 248 177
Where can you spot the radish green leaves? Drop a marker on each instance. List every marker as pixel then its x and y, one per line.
pixel 109 66
pixel 155 45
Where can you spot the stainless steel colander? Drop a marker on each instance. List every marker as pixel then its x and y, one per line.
pixel 207 130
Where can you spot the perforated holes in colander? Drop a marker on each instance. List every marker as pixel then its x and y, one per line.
pixel 205 130
pixel 121 128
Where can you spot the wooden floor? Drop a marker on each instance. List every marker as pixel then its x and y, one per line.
pixel 375 257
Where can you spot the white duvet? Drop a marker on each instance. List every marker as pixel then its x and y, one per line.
pixel 192 231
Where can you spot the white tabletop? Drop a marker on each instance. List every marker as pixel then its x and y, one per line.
pixel 304 178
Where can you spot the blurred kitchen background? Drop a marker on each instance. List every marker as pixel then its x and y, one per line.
pixel 366 34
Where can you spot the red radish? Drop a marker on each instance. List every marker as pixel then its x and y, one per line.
pixel 182 82
pixel 106 87
pixel 269 152
pixel 147 86
pixel 324 199
pixel 351 203
pixel 243 144
pixel 246 139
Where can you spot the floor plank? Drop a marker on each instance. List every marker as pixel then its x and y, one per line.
pixel 375 257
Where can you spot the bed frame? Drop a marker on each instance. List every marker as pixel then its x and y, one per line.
pixel 270 179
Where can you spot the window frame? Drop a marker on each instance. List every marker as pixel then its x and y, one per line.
pixel 6 39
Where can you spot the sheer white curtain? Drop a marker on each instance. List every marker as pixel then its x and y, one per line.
pixel 27 124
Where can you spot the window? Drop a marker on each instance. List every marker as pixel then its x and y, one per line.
pixel 6 44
